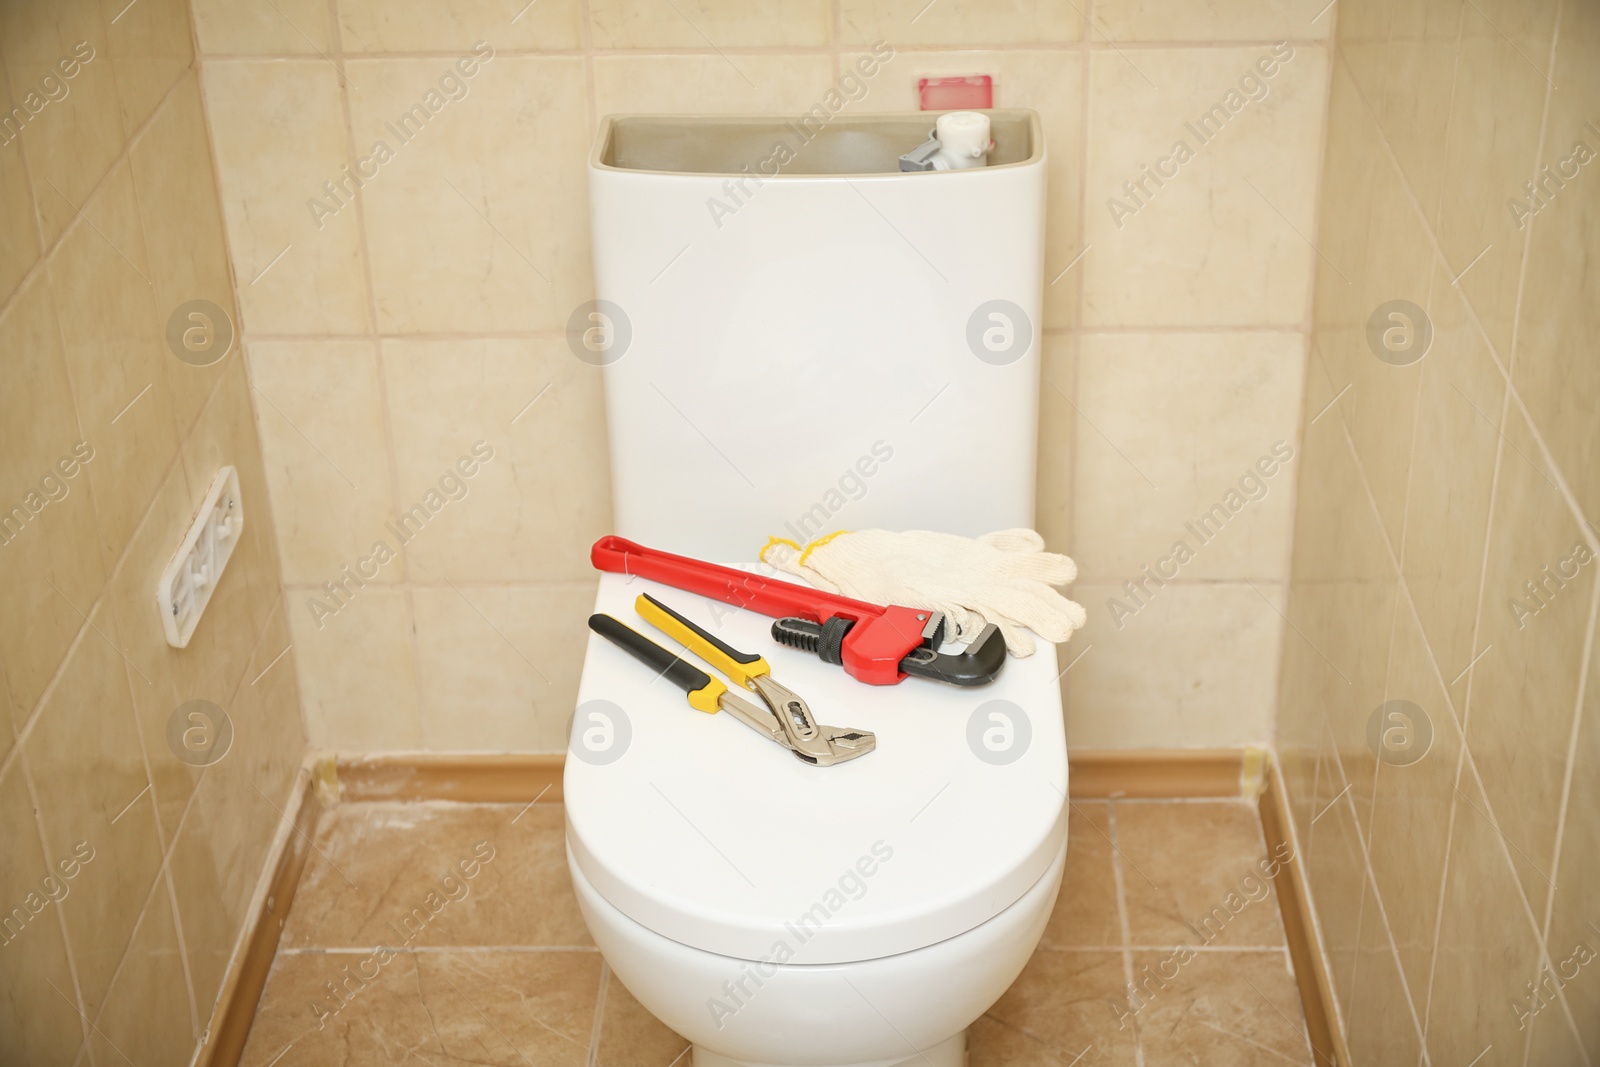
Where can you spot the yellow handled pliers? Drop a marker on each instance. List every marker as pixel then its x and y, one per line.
pixel 786 719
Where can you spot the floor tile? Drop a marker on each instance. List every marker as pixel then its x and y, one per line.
pixel 631 1037
pixel 1064 1004
pixel 1086 908
pixel 498 969
pixel 1192 874
pixel 397 875
pixel 1238 1008
pixel 506 1009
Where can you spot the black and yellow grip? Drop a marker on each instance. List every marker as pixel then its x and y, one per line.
pixel 740 666
pixel 704 691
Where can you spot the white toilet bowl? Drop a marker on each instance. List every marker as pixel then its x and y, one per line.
pixel 780 914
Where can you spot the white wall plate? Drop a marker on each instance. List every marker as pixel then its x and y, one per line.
pixel 190 579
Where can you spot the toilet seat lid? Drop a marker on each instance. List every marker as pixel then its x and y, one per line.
pixel 705 832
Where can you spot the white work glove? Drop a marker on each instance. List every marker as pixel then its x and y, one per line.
pixel 1002 577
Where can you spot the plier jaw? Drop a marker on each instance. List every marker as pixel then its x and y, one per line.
pixel 822 746
pixel 785 720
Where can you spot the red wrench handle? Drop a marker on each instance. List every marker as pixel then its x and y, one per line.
pixel 872 650
pixel 765 595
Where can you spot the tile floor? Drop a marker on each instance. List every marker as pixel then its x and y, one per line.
pixel 495 966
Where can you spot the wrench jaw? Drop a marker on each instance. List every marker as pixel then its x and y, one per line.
pixel 821 746
pixel 978 665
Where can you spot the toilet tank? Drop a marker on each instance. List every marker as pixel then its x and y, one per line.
pixel 797 337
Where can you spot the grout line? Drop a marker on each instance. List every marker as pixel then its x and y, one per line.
pixel 372 337
pixel 599 1014
pixel 1501 361
pixel 1180 329
pixel 1561 820
pixel 783 50
pixel 61 920
pixel 1127 931
pixel 40 265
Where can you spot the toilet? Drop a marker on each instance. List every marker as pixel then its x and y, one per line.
pixel 787 351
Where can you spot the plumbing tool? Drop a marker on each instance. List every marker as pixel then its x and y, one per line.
pixel 875 644
pixel 786 720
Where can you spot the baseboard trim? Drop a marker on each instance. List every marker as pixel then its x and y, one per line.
pixel 1156 774
pixel 517 779
pixel 467 778
pixel 241 990
pixel 484 779
pixel 1294 902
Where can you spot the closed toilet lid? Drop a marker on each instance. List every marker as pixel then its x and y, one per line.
pixel 704 831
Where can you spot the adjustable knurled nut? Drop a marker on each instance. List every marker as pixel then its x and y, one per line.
pixel 833 632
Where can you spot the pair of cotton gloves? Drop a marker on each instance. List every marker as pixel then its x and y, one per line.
pixel 1003 577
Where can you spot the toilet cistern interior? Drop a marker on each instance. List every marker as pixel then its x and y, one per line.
pixel 772 912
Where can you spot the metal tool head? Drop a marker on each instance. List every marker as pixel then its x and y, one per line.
pixel 978 665
pixel 819 745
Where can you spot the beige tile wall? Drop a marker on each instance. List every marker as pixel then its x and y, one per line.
pixel 1455 890
pixel 388 332
pixel 112 220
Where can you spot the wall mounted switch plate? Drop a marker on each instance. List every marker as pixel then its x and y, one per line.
pixel 190 579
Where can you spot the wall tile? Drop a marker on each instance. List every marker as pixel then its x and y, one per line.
pixel 961 23
pixel 111 336
pixel 59 545
pixel 1342 605
pixel 1057 420
pixel 1353 155
pixel 357 681
pixel 1489 153
pixel 373 26
pixel 215 864
pixel 1205 247
pixel 710 23
pixel 1335 867
pixel 134 1025
pixel 1571 918
pixel 1194 668
pixel 37 1013
pixel 20 250
pixel 1411 804
pixel 165 678
pixel 181 220
pixel 1380 407
pixel 73 140
pixel 319 407
pixel 498 667
pixel 1378 1022
pixel 1560 299
pixel 445 397
pixel 278 131
pixel 149 49
pixel 1452 470
pixel 1170 426
pixel 1524 690
pixel 709 84
pixel 1363 32
pixel 1050 83
pixel 84 756
pixel 468 229
pixel 284 27
pixel 1412 103
pixel 222 851
pixel 226 436
pixel 1173 20
pixel 1488 950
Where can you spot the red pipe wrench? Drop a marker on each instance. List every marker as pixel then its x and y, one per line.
pixel 875 644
